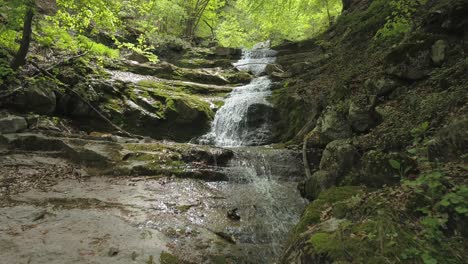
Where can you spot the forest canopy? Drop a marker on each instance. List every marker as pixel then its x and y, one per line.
pixel 142 24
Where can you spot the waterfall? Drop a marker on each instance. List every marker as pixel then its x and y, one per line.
pixel 244 119
pixel 262 180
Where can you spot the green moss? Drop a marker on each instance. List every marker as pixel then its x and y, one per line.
pixel 326 199
pixel 378 229
pixel 167 258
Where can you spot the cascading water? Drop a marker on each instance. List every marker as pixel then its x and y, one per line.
pixel 245 116
pixel 262 183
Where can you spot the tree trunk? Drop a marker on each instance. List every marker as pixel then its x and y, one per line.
pixel 20 58
pixel 328 13
pixel 346 4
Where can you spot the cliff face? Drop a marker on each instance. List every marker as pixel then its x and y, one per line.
pixel 387 116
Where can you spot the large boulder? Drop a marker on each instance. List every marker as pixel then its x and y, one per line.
pixel 37 96
pixel 331 125
pixel 410 61
pixel 338 159
pixel 259 114
pixel 12 124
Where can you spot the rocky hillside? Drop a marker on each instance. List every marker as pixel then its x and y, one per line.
pixel 384 130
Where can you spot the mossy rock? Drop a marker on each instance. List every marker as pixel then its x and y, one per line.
pixel 167 258
pixel 159 110
pixel 327 198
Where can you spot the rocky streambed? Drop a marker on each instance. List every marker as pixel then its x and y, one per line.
pixel 74 197
pixel 57 211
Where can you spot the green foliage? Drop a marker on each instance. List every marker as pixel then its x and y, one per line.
pixel 456 201
pixel 231 34
pixel 400 22
pixel 140 48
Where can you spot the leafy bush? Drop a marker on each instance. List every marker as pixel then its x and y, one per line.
pixel 400 22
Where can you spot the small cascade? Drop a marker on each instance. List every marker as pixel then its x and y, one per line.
pixel 245 118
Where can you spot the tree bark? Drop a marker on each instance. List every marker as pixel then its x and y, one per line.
pixel 20 57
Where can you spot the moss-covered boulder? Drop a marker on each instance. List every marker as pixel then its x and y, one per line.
pixel 156 109
pixel 331 125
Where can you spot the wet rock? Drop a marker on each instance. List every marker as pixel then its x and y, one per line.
pixel 213 157
pixel 77 150
pixel 259 114
pixel 233 214
pixel 438 52
pixel 12 124
pixel 362 115
pixel 204 174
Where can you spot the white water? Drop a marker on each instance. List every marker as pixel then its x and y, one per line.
pixel 230 128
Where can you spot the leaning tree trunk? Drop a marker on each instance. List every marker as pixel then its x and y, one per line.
pixel 20 57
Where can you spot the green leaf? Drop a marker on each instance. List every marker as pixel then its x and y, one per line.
pixel 395 164
pixel 427 259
